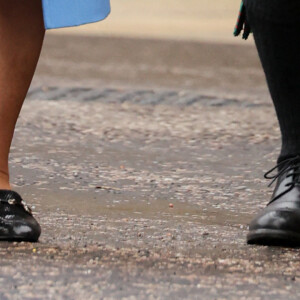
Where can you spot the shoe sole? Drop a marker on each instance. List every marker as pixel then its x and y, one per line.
pixel 17 239
pixel 272 237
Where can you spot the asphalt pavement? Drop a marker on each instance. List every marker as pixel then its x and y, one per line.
pixel 143 161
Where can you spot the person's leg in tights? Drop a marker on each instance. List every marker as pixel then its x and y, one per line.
pixel 276 25
pixel 21 38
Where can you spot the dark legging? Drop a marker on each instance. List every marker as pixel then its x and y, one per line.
pixel 276 28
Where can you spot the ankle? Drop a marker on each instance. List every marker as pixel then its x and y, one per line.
pixel 4 181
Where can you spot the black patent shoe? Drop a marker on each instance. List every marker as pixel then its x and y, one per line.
pixel 278 223
pixel 16 220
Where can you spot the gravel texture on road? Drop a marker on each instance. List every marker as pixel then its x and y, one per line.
pixel 102 176
pixel 144 193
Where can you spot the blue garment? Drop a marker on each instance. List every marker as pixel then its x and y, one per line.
pixel 65 13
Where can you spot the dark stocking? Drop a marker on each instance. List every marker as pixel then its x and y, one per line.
pixel 276 29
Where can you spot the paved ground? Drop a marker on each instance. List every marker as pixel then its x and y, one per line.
pixel 144 170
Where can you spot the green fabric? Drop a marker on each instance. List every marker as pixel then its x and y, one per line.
pixel 242 23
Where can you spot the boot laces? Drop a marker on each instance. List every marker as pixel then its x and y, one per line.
pixel 289 164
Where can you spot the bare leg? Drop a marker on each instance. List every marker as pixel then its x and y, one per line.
pixel 21 38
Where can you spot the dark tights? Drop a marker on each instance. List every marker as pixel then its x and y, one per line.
pixel 276 29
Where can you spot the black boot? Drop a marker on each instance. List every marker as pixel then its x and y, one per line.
pixel 16 220
pixel 279 223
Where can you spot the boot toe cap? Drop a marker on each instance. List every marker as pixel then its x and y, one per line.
pixel 275 227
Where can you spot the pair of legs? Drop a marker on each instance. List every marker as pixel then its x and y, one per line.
pixel 276 31
pixel 21 37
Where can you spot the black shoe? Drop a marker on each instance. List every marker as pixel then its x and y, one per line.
pixel 16 220
pixel 278 224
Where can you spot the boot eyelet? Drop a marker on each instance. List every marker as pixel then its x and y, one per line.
pixel 12 201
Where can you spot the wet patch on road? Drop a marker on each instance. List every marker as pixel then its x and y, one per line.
pixel 144 97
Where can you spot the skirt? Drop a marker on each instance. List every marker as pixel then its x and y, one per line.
pixel 66 13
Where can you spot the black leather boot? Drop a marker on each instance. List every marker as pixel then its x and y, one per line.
pixel 278 223
pixel 16 220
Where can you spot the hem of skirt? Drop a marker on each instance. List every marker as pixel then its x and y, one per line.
pixel 48 24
